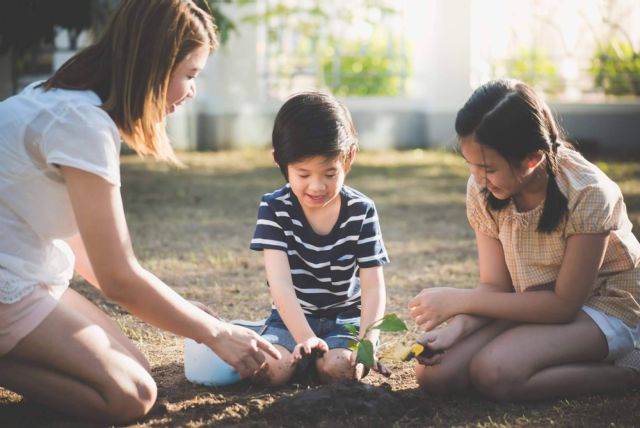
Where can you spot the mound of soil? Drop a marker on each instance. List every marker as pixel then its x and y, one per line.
pixel 340 400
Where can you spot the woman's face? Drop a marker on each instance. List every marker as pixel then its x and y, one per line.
pixel 492 171
pixel 182 83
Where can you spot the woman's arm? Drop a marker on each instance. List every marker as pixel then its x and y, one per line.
pixel 373 300
pixel 83 265
pixel 284 296
pixel 100 217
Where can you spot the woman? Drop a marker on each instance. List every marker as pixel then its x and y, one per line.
pixel 61 208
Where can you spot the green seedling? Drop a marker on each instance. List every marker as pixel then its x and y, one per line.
pixel 363 347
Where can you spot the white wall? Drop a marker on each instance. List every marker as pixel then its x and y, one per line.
pixel 234 110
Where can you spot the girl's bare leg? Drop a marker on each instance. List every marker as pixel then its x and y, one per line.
pixel 451 375
pixel 537 361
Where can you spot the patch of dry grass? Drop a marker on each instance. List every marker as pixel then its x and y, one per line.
pixel 192 228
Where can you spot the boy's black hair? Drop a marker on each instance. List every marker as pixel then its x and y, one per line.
pixel 509 117
pixel 312 124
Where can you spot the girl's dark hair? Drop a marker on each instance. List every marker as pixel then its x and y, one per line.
pixel 312 124
pixel 509 117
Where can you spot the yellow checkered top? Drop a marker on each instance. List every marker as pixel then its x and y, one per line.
pixel 595 205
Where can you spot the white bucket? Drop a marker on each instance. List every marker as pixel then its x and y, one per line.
pixel 205 367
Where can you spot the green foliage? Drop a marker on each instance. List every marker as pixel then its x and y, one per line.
pixel 365 353
pixel 363 348
pixel 534 67
pixel 364 68
pixel 375 66
pixel 615 67
pixel 224 24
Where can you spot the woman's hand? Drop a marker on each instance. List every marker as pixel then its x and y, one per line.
pixel 433 306
pixel 204 308
pixel 304 349
pixel 242 348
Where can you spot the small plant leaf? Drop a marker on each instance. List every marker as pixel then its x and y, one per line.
pixel 353 345
pixel 352 329
pixel 365 353
pixel 391 322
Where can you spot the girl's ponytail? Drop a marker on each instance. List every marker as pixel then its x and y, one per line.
pixel 556 203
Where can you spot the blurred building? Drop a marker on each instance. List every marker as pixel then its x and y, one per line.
pixel 405 67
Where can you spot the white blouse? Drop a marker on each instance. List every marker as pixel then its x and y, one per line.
pixel 40 130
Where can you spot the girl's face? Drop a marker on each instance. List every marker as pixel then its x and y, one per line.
pixel 182 83
pixel 492 171
pixel 317 181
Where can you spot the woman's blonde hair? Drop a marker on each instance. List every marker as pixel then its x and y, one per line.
pixel 131 64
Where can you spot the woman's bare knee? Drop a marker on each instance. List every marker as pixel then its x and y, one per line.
pixel 129 396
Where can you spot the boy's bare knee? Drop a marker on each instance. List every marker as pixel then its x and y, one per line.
pixel 335 366
pixel 275 372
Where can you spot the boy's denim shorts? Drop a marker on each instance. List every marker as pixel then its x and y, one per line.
pixel 332 331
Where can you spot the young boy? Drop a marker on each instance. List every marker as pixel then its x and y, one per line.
pixel 322 245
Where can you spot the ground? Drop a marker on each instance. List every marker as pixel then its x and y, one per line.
pixel 192 226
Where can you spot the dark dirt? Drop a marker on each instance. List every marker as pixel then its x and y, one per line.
pixel 192 227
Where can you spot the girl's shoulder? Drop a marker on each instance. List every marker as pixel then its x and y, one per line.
pixel 577 178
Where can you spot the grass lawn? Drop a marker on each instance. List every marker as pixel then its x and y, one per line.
pixel 192 228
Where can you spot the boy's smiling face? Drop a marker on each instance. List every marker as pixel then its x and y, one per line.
pixel 317 181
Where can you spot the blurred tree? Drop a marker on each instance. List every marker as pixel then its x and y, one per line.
pixel 29 25
pixel 313 40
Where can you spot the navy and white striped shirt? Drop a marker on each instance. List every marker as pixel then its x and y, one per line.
pixel 324 268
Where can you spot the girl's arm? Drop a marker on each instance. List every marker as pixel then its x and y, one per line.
pixel 284 296
pixel 494 277
pixel 97 206
pixel 583 257
pixel 373 300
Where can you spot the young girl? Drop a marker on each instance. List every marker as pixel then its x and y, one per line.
pixel 556 312
pixel 321 241
pixel 61 209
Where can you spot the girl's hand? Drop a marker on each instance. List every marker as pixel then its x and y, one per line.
pixel 304 349
pixel 433 306
pixel 439 339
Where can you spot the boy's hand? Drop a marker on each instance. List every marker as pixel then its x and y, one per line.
pixel 377 365
pixel 304 349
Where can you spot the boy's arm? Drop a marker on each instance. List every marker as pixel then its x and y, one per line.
pixel 373 300
pixel 284 296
